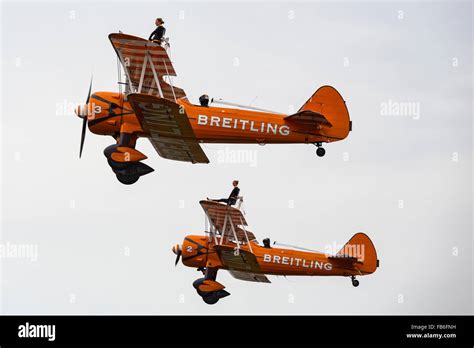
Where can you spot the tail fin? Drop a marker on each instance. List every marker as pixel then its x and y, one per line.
pixel 328 102
pixel 361 247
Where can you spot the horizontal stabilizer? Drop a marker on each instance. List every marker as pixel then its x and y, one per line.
pixel 310 118
pixel 343 259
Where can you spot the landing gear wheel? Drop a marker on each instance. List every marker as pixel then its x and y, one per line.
pixel 355 282
pixel 127 179
pixel 320 152
pixel 211 299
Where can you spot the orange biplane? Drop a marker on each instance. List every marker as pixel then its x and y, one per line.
pixel 152 107
pixel 231 246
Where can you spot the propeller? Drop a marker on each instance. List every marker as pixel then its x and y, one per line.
pixel 84 118
pixel 177 250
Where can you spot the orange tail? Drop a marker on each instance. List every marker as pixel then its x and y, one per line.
pixel 361 247
pixel 328 102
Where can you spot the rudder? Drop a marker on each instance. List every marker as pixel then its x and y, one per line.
pixel 361 247
pixel 328 102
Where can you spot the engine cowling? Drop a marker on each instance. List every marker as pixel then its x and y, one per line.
pixel 194 251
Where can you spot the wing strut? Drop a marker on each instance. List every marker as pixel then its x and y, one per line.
pixel 146 63
pixel 227 218
pixel 223 228
pixel 169 77
pixel 142 75
pixel 228 222
pixel 246 236
pixel 127 74
pixel 157 81
pixel 235 234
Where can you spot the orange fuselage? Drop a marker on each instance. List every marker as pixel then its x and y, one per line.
pixel 111 115
pixel 199 251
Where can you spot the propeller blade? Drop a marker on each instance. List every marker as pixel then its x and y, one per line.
pixel 84 119
pixel 90 90
pixel 177 259
pixel 83 135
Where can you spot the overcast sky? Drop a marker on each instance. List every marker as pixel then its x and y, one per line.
pixel 405 178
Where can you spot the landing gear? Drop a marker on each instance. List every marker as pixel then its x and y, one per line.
pixel 355 282
pixel 320 151
pixel 210 296
pixel 117 165
pixel 127 173
pixel 127 179
pixel 213 297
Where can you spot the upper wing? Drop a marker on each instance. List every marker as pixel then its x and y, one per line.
pixel 217 213
pixel 171 133
pixel 140 57
pixel 309 118
pixel 250 277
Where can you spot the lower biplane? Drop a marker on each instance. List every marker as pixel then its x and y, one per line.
pixel 152 107
pixel 229 245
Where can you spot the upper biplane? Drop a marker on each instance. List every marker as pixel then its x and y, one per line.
pixel 152 107
pixel 229 245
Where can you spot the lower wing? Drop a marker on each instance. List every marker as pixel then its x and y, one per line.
pixel 171 133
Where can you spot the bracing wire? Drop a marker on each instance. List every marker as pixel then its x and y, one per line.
pixel 119 77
